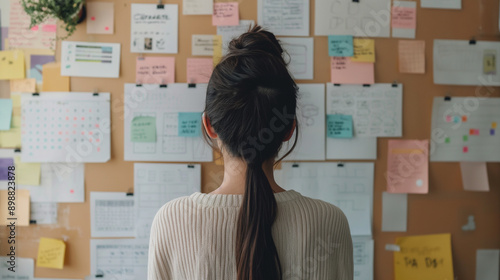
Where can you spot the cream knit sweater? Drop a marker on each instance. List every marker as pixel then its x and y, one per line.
pixel 192 238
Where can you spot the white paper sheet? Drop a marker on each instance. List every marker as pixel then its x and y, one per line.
pixel 24 269
pixel 197 7
pixel 156 184
pixel 85 59
pixel 465 129
pixel 363 249
pixel 394 211
pixel 349 187
pixel 124 259
pixel 43 213
pixel 69 127
pixel 346 17
pixel 457 62
pixel 487 264
pixel 112 214
pixel 165 104
pixel 202 45
pixel 301 56
pixel 230 32
pixel 310 117
pixel 376 110
pixel 353 148
pixel 283 17
pixel 154 30
pixel 404 32
pixel 4 14
pixel 441 4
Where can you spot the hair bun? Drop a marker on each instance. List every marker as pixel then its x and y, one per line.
pixel 256 39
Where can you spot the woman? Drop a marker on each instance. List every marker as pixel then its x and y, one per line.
pixel 250 228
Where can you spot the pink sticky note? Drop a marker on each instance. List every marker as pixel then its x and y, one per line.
pixel 49 28
pixel 101 16
pixel 34 28
pixel 199 70
pixel 345 71
pixel 155 70
pixel 448 118
pixel 474 176
pixel 226 13
pixel 408 166
pixel 404 17
pixel 466 149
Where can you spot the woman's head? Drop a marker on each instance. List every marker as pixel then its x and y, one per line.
pixel 250 107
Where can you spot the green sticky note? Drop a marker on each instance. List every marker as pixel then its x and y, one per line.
pixel 339 126
pixel 143 129
pixel 466 137
pixel 5 113
pixel 340 45
pixel 189 124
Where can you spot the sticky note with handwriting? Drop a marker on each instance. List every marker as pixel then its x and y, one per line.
pixel 339 126
pixel 364 50
pixel 226 13
pixel 143 129
pixel 340 45
pixel 51 253
pixel 189 124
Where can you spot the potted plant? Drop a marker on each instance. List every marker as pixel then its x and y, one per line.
pixel 71 12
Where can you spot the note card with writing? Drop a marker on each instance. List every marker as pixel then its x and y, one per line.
pixel 474 176
pixel 364 50
pixel 164 104
pixel 155 70
pixel 404 19
pixel 284 18
pixel 40 36
pixel 226 13
pixel 202 45
pixel 111 214
pixel 143 129
pixel 51 253
pixel 300 53
pixel 85 59
pixel 154 30
pixel 408 166
pixel 340 45
pixel 423 257
pixel 12 65
pixel 197 7
pixel 411 56
pixel 376 110
pixel 465 129
pixel 65 127
pixel 345 71
pixel 199 70
pixel 339 126
pixel 100 18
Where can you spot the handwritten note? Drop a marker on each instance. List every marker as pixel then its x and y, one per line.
pixel 404 17
pixel 199 70
pixel 23 85
pixel 364 50
pixel 22 211
pixel 53 81
pixel 226 13
pixel 340 45
pixel 345 71
pixel 5 113
pixel 197 7
pixel 423 257
pixel 28 173
pixel 100 18
pixel 51 253
pixel 202 45
pixel 411 56
pixel 143 129
pixel 474 176
pixel 189 124
pixel 408 166
pixel 11 65
pixel 155 70
pixel 339 126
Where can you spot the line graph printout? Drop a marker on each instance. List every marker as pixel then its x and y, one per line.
pixel 349 187
pixel 156 184
pixel 65 127
pixel 376 110
pixel 465 129
pixel 284 17
pixel 163 105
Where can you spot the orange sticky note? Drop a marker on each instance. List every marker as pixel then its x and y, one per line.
pixel 52 79
pixel 345 71
pixel 199 70
pixel 23 85
pixel 411 56
pixel 22 207
pixel 226 13
pixel 155 70
pixel 474 176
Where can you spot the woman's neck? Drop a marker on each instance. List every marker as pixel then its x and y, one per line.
pixel 235 176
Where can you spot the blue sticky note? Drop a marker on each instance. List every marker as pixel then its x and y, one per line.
pixel 5 113
pixel 339 126
pixel 189 124
pixel 340 45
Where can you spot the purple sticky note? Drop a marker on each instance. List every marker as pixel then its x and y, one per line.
pixel 492 131
pixel 4 165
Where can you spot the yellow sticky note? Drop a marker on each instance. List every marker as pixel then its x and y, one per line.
pixel 217 49
pixel 52 79
pixel 21 210
pixel 424 257
pixel 364 50
pixel 51 253
pixel 28 173
pixel 12 65
pixel 23 85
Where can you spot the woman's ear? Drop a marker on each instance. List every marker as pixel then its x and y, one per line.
pixel 290 133
pixel 208 127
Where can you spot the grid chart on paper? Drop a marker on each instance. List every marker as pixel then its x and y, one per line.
pixel 114 215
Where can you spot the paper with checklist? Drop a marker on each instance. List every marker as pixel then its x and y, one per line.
pixel 283 17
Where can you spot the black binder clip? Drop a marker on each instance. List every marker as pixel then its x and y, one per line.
pixel 129 194
pixel 472 41
pixel 99 276
pixel 395 84
pixel 190 166
pixel 35 94
pixel 340 164
pixel 163 85
pixel 366 85
pixel 32 222
pixel 447 98
pixel 295 165
pixel 17 150
pixel 138 85
pixel 355 1
pixel 95 94
pixel 191 85
pixel 336 85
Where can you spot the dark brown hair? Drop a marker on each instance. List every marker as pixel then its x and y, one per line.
pixel 251 103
